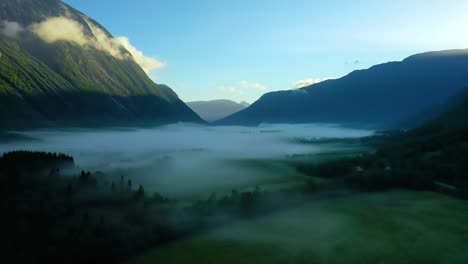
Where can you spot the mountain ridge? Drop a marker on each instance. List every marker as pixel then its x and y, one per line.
pixel 50 78
pixel 365 97
pixel 216 109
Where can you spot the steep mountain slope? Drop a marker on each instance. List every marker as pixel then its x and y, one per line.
pixel 452 116
pixel 452 112
pixel 457 115
pixel 216 109
pixel 60 67
pixel 379 96
pixel 434 155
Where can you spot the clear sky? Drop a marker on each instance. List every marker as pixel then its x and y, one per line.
pixel 240 49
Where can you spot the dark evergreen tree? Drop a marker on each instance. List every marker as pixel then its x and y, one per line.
pixel 129 184
pixel 141 191
pixel 83 176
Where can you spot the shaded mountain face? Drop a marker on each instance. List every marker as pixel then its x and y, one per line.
pixel 377 97
pixel 60 67
pixel 452 115
pixel 216 109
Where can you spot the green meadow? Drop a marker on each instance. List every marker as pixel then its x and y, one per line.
pixel 303 201
pixel 387 227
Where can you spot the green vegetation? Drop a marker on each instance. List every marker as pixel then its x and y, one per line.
pixel 64 84
pixel 42 90
pixel 387 227
pixel 381 227
pixel 55 215
pixel 308 208
pixel 419 159
pixel 321 217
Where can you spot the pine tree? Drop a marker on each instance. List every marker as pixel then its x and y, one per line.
pixel 141 191
pixel 129 184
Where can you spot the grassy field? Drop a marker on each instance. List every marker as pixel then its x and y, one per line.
pixel 389 227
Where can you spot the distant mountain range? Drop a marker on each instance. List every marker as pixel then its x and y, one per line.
pixel 82 76
pixel 216 109
pixel 381 96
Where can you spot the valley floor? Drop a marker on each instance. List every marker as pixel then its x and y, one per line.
pixel 386 227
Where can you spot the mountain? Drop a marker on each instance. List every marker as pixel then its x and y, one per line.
pixel 244 104
pixel 450 113
pixel 457 114
pixel 380 96
pixel 451 116
pixel 61 67
pixel 216 109
pixel 436 152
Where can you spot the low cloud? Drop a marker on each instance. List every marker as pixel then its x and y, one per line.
pixel 229 90
pixel 242 90
pixel 104 42
pixel 147 63
pixel 258 86
pixel 10 29
pixel 65 29
pixel 308 82
pixel 61 29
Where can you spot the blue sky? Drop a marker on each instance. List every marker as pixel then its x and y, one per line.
pixel 240 49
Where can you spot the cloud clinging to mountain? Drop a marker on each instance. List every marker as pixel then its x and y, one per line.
pixel 147 63
pixel 10 29
pixel 308 82
pixel 62 28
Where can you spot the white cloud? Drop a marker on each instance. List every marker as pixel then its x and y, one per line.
pixel 147 63
pixel 229 90
pixel 308 82
pixel 56 29
pixel 10 29
pixel 65 29
pixel 61 29
pixel 258 86
pixel 107 43
pixel 243 91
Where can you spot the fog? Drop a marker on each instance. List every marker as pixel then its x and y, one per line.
pixel 182 160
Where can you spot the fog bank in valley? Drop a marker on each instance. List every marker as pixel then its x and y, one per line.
pixel 184 159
